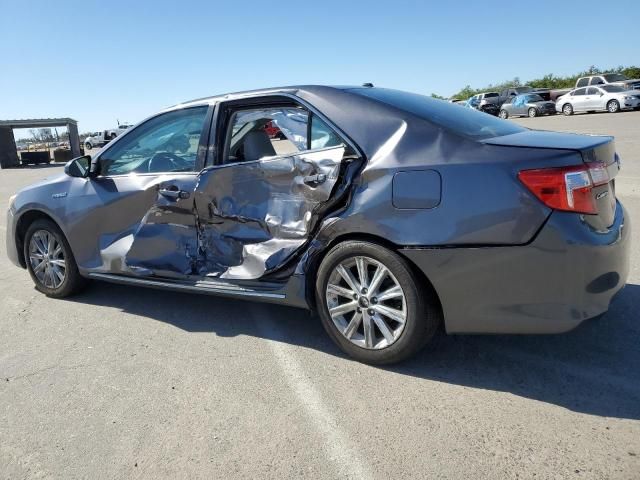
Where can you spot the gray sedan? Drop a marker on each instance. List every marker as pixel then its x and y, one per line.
pixel 386 212
pixel 527 105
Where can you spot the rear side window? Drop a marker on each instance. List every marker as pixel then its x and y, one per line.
pixel 465 122
pixel 583 82
pixel 597 81
pixel 276 131
pixel 592 91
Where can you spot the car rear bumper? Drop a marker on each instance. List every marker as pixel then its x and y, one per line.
pixel 12 248
pixel 567 274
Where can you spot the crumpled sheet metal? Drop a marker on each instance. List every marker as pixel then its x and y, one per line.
pixel 163 242
pixel 252 217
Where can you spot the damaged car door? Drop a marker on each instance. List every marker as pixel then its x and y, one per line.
pixel 259 204
pixel 141 210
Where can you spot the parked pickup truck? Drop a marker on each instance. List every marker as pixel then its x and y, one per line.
pixel 100 139
pixel 609 79
pixel 508 93
pixel 485 102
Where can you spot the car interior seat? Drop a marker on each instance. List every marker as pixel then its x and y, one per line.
pixel 256 144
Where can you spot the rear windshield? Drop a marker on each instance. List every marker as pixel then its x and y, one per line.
pixel 612 88
pixel 466 122
pixel 615 77
pixel 492 94
pixel 535 98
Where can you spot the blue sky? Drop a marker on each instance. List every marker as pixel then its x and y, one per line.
pixel 98 61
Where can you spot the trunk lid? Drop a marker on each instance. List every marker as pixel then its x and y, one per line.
pixel 593 150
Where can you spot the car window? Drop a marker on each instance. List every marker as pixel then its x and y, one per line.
pixel 534 98
pixel 468 123
pixel 266 132
pixel 580 91
pixel 165 143
pixel 615 77
pixel 597 81
pixel 592 91
pixel 322 135
pixel 278 131
pixel 490 95
pixel 612 88
pixel 583 82
pixel 519 100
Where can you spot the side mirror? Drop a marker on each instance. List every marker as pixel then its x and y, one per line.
pixel 78 167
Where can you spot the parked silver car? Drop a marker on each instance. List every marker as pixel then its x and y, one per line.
pixel 611 98
pixel 527 104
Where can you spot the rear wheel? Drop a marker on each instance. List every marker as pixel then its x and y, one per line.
pixel 532 112
pixel 567 109
pixel 372 305
pixel 503 114
pixel 50 261
pixel 88 146
pixel 613 106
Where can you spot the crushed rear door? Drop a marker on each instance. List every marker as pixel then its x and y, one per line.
pixel 253 216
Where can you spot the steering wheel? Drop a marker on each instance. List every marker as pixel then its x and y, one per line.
pixel 166 162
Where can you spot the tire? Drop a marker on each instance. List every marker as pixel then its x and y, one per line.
pixel 613 106
pixel 49 281
pixel 503 114
pixel 112 136
pixel 532 112
pixel 88 146
pixel 567 109
pixel 415 305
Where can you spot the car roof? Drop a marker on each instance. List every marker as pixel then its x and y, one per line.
pixel 262 91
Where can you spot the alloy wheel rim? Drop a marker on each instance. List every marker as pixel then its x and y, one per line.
pixel 612 107
pixel 366 303
pixel 567 109
pixel 532 113
pixel 47 259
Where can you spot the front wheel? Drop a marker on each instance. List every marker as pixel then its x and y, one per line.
pixel 503 114
pixel 50 261
pixel 372 305
pixel 88 146
pixel 532 112
pixel 567 109
pixel 613 106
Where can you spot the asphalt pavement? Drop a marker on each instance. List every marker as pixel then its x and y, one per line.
pixel 123 382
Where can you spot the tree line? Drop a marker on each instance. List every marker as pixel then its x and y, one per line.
pixel 550 81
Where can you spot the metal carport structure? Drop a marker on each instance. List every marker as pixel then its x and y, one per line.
pixel 8 150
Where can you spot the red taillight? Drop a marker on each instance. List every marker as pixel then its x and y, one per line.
pixel 566 188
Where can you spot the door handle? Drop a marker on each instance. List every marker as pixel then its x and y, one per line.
pixel 316 179
pixel 171 193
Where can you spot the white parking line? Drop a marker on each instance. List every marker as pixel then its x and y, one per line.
pixel 339 449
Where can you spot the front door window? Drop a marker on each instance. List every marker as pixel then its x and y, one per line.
pixel 166 143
